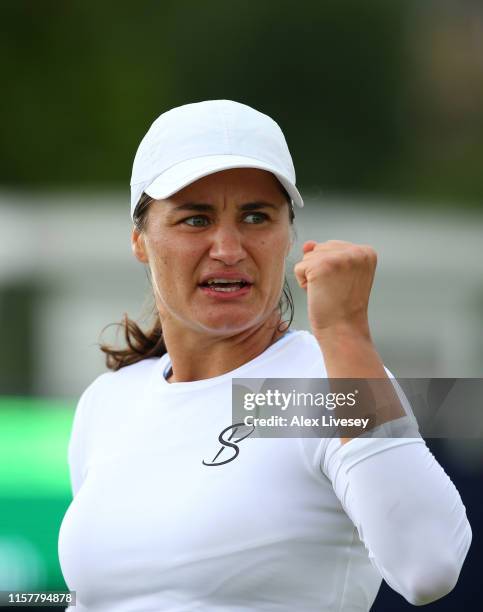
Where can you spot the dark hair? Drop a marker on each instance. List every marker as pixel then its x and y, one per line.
pixel 142 345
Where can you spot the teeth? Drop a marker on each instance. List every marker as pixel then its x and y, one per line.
pixel 226 289
pixel 224 280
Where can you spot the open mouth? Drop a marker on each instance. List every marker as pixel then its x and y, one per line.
pixel 220 285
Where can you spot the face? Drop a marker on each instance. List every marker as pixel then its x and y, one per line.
pixel 200 243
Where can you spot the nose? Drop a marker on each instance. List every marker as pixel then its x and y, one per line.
pixel 227 245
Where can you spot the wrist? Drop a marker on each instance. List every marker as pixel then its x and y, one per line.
pixel 344 333
pixel 349 353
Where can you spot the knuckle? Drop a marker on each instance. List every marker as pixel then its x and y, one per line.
pixel 337 242
pixel 332 262
pixel 370 253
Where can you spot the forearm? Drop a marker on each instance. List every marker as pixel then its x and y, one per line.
pixel 349 354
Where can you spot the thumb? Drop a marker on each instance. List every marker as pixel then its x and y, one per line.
pixel 309 245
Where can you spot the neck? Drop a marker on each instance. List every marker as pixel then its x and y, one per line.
pixel 197 356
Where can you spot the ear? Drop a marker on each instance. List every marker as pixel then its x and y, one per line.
pixel 138 246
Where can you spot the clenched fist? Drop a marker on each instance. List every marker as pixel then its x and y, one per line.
pixel 338 278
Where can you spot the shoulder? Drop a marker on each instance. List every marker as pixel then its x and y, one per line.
pixel 297 338
pixel 109 400
pixel 114 389
pixel 305 343
pixel 307 339
pixel 296 355
pixel 131 375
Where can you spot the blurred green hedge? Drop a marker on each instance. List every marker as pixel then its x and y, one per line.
pixel 363 90
pixel 34 491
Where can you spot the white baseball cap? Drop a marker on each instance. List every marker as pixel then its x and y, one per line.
pixel 194 140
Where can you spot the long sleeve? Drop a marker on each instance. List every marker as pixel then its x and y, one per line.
pixel 406 509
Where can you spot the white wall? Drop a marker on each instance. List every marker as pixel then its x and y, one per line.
pixel 426 306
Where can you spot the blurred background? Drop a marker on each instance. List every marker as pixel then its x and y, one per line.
pixel 382 107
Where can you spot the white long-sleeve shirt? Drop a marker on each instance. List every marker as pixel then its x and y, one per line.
pixel 288 524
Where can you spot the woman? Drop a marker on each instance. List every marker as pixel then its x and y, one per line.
pixel 171 510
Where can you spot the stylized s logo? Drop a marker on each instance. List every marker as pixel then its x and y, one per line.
pixel 229 444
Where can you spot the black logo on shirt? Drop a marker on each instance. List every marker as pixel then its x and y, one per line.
pixel 229 444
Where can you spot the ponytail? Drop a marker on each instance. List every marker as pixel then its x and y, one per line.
pixel 140 345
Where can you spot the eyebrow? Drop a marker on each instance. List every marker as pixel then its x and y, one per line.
pixel 202 207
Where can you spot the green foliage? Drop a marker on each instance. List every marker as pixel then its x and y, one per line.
pixel 84 80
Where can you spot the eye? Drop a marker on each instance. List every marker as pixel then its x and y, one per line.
pixel 257 217
pixel 196 221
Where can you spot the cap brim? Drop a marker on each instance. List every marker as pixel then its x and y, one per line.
pixel 186 172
